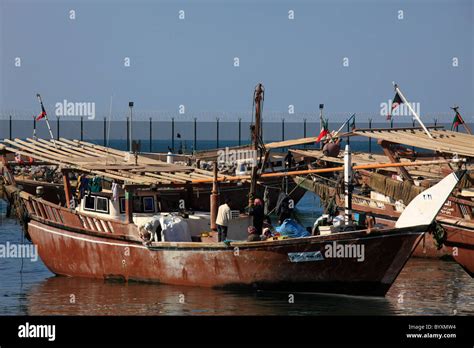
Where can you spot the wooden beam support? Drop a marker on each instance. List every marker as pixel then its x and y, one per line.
pixel 67 187
pixel 129 205
pixel 387 150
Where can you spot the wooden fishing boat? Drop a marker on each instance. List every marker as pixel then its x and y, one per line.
pixel 95 239
pixel 79 154
pixel 388 194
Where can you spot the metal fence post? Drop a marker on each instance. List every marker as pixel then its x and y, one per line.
pixel 105 131
pixel 10 128
pixel 370 139
pixel 282 129
pixel 57 130
pixel 82 128
pixel 172 134
pixel 304 130
pixel 151 135
pixel 195 134
pixel 128 134
pixel 217 132
pixel 240 130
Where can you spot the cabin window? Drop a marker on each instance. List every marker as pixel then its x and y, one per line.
pixel 96 203
pixel 148 204
pixel 122 205
pixel 102 205
pixel 140 204
pixel 89 203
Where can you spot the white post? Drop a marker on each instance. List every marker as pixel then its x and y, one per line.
pixel 397 89
pixel 348 185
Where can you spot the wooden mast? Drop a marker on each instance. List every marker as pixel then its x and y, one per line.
pixel 214 199
pixel 256 137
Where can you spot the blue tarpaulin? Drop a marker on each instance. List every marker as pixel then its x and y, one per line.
pixel 290 228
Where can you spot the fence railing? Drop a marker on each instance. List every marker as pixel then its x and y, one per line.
pixel 158 135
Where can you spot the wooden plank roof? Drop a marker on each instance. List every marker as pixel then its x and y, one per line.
pixel 106 162
pixel 444 141
pixel 361 158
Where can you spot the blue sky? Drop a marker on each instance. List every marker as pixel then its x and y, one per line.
pixel 190 62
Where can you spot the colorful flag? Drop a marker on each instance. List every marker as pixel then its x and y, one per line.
pixel 457 120
pixel 397 100
pixel 42 114
pixel 324 131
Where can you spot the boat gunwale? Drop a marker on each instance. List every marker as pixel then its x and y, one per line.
pixel 241 245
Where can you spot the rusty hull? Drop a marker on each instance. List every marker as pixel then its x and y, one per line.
pixel 257 265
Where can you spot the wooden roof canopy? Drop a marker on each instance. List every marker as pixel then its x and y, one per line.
pixel 443 141
pixel 105 162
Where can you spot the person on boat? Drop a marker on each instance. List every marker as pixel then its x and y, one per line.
pixel 253 235
pixel 289 160
pixel 223 219
pixel 339 219
pixel 257 211
pixel 284 209
pixel 267 229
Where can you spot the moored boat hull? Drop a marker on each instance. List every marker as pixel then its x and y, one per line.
pixel 291 265
pixel 461 240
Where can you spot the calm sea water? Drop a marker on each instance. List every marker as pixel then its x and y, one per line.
pixel 431 287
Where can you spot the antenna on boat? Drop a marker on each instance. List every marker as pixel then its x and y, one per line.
pixel 347 185
pixel 405 101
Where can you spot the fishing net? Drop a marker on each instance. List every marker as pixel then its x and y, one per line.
pixel 398 190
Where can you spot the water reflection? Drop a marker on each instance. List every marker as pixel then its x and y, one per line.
pixel 432 287
pixel 75 296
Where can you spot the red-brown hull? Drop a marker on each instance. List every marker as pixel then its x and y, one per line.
pixel 263 265
pixel 461 240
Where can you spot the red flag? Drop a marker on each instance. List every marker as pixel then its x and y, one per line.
pixel 42 114
pixel 324 131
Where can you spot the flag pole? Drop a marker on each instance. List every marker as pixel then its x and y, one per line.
pixel 34 127
pixel 46 119
pixel 405 101
pixel 466 127
pixel 347 121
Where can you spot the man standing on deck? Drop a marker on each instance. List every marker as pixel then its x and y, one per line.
pixel 222 220
pixel 258 215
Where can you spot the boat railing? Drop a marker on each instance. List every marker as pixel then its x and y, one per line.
pixel 48 211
